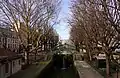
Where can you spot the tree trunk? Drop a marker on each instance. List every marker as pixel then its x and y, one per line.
pixel 35 55
pixel 27 58
pixel 89 53
pixel 107 66
pixel 90 57
pixel 77 47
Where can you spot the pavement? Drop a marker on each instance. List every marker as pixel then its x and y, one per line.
pixel 86 71
pixel 116 75
pixel 31 72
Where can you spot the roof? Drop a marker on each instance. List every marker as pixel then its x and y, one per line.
pixel 65 52
pixel 6 32
pixel 6 53
pixel 101 56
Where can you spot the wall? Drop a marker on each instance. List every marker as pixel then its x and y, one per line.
pixel 3 74
pixel 16 66
pixel 13 44
pixel 12 70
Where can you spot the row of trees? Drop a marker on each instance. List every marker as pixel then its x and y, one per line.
pixel 96 23
pixel 32 21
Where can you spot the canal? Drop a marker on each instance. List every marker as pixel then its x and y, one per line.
pixel 61 73
pixel 61 67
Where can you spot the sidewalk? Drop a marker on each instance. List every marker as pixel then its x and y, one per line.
pixel 115 75
pixel 86 71
pixel 31 72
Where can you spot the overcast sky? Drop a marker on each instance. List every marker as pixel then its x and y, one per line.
pixel 62 28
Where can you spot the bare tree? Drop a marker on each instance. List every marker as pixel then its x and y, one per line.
pixel 29 19
pixel 92 24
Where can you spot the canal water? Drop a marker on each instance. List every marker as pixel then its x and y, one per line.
pixel 61 73
pixel 61 66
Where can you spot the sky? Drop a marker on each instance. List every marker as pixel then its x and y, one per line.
pixel 62 28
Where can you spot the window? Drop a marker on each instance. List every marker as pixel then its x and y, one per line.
pixel 13 46
pixel 13 63
pixel 8 45
pixel 0 39
pixel 19 62
pixel 15 41
pixel 6 68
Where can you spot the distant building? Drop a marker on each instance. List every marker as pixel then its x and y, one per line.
pixel 8 39
pixel 67 41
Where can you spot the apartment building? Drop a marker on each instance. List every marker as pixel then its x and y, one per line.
pixel 10 60
pixel 8 39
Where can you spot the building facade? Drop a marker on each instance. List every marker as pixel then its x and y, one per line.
pixel 8 39
pixel 10 60
pixel 10 63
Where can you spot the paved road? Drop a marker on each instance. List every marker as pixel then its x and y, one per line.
pixel 86 71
